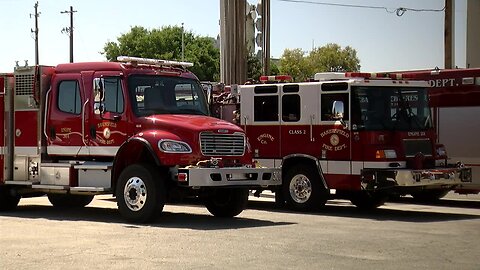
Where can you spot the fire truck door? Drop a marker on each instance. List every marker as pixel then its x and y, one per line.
pixel 107 125
pixel 299 116
pixel 260 120
pixel 64 129
pixel 334 133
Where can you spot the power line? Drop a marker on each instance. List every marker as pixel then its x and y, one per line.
pixel 398 11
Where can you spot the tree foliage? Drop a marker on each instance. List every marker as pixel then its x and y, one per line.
pixel 330 57
pixel 166 43
pixel 255 69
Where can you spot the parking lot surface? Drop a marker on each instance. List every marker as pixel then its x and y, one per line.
pixel 398 235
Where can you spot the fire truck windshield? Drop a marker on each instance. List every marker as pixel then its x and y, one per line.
pixel 152 94
pixel 390 108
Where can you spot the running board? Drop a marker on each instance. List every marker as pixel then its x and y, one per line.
pixel 90 189
pixel 21 183
pixel 50 187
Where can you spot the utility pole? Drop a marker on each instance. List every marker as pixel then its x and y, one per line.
pixel 35 32
pixel 449 37
pixel 233 50
pixel 69 30
pixel 266 36
pixel 183 44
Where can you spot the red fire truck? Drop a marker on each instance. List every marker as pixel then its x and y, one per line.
pixel 138 129
pixel 345 135
pixel 455 99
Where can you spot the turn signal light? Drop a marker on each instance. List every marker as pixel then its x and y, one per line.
pixel 385 154
pixel 182 177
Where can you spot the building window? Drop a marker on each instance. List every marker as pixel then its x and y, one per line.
pixel 69 97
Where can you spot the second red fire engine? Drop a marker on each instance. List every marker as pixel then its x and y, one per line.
pixel 345 136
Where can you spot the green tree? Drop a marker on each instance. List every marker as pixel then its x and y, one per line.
pixel 294 63
pixel 254 67
pixel 166 43
pixel 330 57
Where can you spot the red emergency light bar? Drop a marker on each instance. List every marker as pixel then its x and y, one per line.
pixel 276 78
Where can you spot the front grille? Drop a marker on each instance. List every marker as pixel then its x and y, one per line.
pixel 415 146
pixel 214 144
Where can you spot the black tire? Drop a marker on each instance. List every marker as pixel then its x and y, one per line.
pixel 140 193
pixel 227 202
pixel 279 198
pixel 365 200
pixel 303 189
pixel 8 199
pixel 431 195
pixel 69 200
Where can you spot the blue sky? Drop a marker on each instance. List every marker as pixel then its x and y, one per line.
pixel 383 40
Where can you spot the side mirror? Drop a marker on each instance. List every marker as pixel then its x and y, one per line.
pixel 99 93
pixel 338 110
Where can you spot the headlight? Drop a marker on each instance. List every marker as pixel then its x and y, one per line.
pixel 171 146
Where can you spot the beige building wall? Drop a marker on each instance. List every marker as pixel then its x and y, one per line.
pixel 473 34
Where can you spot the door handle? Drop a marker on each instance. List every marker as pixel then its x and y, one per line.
pixel 312 117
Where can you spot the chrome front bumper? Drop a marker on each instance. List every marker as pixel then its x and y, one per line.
pixel 416 178
pixel 229 177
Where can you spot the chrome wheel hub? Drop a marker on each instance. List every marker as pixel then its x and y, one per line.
pixel 135 194
pixel 300 188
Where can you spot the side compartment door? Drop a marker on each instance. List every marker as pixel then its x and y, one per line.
pixel 64 127
pixel 261 120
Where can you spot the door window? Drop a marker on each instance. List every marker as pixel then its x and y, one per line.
pixel 265 108
pixel 327 106
pixel 113 95
pixel 291 108
pixel 69 97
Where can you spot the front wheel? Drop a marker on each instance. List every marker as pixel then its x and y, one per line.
pixel 302 188
pixel 140 193
pixel 227 202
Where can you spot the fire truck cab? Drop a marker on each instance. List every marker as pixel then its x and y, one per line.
pixel 455 101
pixel 346 135
pixel 138 129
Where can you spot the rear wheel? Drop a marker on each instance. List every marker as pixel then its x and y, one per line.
pixel 302 188
pixel 227 202
pixel 8 199
pixel 140 193
pixel 69 200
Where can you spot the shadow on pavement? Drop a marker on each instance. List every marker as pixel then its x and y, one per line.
pixel 340 208
pixel 441 202
pixel 111 215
